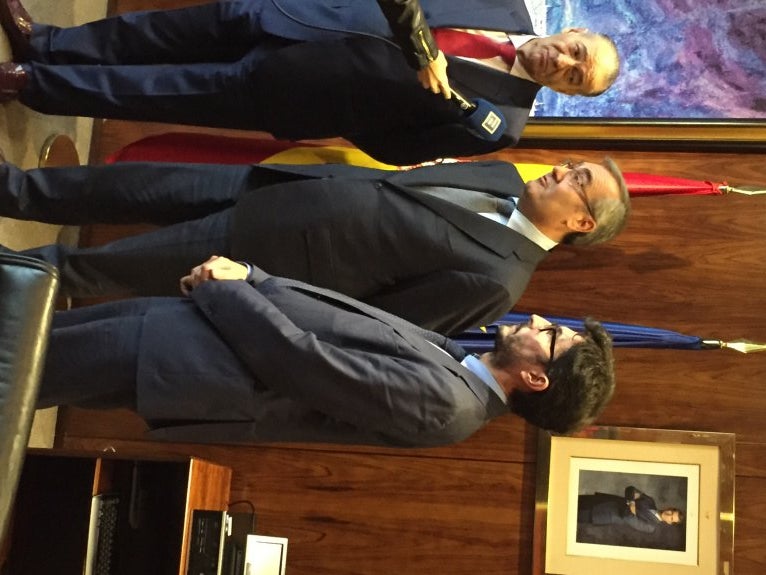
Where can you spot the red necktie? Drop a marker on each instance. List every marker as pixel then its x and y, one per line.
pixel 458 43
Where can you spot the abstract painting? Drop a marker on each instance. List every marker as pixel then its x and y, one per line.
pixel 683 59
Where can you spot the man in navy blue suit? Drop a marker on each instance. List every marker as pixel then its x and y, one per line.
pixel 447 247
pixel 251 357
pixel 303 69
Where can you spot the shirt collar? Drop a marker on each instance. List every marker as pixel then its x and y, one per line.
pixel 518 70
pixel 518 222
pixel 475 365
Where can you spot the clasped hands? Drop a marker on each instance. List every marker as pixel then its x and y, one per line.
pixel 215 268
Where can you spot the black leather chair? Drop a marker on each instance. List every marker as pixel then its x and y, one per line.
pixel 27 299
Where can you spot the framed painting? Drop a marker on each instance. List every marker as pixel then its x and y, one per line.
pixel 634 501
pixel 693 75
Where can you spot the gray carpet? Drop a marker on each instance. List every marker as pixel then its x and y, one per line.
pixel 22 136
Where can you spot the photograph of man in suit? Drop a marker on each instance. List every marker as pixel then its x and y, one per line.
pixel 635 510
pixel 301 69
pixel 442 246
pixel 644 508
pixel 269 359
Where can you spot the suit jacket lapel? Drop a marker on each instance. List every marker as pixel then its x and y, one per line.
pixel 488 233
pixel 408 332
pixel 477 81
pixel 498 178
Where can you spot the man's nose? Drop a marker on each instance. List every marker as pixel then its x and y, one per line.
pixel 538 322
pixel 568 333
pixel 559 172
pixel 564 61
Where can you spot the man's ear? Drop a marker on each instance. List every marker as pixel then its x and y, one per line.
pixel 534 379
pixel 582 223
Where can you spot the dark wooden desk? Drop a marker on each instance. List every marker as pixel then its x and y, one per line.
pixel 52 512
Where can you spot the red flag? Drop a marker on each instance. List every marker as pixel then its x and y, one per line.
pixel 206 148
pixel 640 184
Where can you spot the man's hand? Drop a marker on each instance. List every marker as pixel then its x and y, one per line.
pixel 632 507
pixel 434 76
pixel 216 268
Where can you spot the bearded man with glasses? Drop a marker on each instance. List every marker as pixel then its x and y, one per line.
pixel 252 357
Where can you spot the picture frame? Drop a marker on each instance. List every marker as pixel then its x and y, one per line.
pixel 657 135
pixel 690 78
pixel 593 490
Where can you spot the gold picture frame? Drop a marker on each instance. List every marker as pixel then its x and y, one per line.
pixel 677 135
pixel 699 465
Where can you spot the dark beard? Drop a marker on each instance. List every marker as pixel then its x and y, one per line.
pixel 504 352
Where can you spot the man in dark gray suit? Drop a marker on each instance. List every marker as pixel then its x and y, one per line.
pixel 441 246
pixel 636 510
pixel 269 359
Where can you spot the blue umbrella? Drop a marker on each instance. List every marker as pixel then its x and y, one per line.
pixel 479 340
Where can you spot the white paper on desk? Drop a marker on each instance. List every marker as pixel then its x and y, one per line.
pixel 265 555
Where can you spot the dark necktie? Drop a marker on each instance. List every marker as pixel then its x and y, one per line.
pixel 459 43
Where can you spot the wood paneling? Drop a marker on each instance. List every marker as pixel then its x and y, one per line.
pixel 349 511
pixel 692 264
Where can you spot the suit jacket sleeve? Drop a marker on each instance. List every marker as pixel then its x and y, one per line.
pixel 645 508
pixel 423 144
pixel 399 394
pixel 447 302
pixel 638 523
pixel 410 29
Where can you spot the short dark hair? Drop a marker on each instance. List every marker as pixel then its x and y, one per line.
pixel 610 214
pixel 581 383
pixel 681 515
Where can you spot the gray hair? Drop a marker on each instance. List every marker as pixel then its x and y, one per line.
pixel 610 214
pixel 614 72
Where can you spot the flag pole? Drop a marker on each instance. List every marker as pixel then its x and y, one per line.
pixel 741 345
pixel 746 190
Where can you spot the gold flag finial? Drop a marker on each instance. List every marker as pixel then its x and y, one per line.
pixel 743 346
pixel 746 190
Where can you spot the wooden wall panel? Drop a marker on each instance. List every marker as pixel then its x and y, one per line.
pixel 693 264
pixel 507 439
pixel 749 550
pixel 356 512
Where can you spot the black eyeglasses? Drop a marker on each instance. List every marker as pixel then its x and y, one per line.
pixel 580 182
pixel 554 330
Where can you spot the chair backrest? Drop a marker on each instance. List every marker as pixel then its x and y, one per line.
pixel 27 299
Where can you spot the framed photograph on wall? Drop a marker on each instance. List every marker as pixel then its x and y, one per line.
pixel 692 74
pixel 634 501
